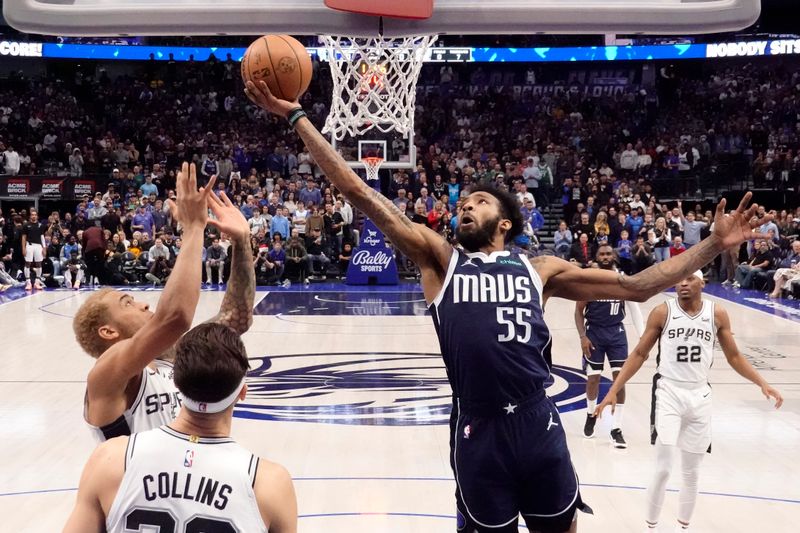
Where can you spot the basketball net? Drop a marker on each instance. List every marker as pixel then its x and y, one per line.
pixel 373 166
pixel 374 83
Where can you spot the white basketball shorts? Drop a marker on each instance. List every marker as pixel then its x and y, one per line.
pixel 33 253
pixel 683 414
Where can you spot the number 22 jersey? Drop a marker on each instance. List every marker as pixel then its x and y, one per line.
pixel 488 317
pixel 686 346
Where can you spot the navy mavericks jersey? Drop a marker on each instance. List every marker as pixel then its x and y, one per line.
pixel 492 335
pixel 604 314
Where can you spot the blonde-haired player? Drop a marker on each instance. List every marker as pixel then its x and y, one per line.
pixel 685 328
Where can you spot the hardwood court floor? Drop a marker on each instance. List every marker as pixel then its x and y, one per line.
pixel 348 392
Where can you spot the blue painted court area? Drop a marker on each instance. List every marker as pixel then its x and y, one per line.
pixel 781 307
pixel 13 294
pixel 338 299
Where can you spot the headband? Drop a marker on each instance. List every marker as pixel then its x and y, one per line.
pixel 699 274
pixel 212 407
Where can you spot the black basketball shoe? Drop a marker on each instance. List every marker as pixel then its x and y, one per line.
pixel 617 439
pixel 588 427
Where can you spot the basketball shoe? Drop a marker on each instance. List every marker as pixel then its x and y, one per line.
pixel 617 439
pixel 588 427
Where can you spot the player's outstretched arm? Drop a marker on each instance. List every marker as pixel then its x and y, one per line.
pixel 99 481
pixel 737 360
pixel 569 281
pixel 655 323
pixel 236 310
pixel 173 316
pixel 276 498
pixel 423 246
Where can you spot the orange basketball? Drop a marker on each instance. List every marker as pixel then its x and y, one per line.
pixel 282 62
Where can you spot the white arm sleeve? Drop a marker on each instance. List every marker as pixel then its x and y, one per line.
pixel 636 317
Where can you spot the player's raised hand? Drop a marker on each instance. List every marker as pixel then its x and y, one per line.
pixel 737 227
pixel 191 207
pixel 771 392
pixel 610 399
pixel 227 217
pixel 259 94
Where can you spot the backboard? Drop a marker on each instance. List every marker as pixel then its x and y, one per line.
pixel 313 17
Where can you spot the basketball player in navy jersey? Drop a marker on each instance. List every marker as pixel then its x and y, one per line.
pixel 685 329
pixel 130 387
pixel 189 476
pixel 599 324
pixel 508 447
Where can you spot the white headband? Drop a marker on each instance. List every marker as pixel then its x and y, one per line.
pixel 213 407
pixel 699 274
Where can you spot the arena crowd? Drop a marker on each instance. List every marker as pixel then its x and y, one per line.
pixel 600 163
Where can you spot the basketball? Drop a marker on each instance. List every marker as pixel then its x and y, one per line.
pixel 282 62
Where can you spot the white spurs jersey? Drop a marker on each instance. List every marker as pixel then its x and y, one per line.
pixel 686 346
pixel 157 403
pixel 184 483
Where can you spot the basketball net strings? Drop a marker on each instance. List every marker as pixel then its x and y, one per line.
pixel 374 83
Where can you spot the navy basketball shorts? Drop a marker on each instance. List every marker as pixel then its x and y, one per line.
pixel 513 460
pixel 612 346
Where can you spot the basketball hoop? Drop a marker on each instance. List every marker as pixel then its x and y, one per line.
pixel 373 166
pixel 374 83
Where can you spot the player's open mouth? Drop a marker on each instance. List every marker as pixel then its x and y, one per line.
pixel 466 219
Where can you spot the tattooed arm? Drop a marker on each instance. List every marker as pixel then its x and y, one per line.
pixel 236 310
pixel 568 281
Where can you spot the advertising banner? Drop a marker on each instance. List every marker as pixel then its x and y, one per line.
pixel 372 263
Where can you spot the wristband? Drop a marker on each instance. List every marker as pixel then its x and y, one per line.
pixel 295 115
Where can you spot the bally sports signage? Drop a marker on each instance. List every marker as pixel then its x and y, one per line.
pixel 372 263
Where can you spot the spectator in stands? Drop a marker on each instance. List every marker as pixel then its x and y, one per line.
pixel 311 194
pixel 661 240
pixel 581 252
pixel 296 257
pixel 691 227
pixel 315 254
pixel 562 240
pixel 158 261
pixel 215 260
pixel 760 261
pixel 148 187
pixel 97 211
pixel 642 254
pixel 11 161
pixel 677 247
pixel 344 259
pixel 142 221
pixel 76 163
pixel 788 271
pixel 280 224
pixel 628 161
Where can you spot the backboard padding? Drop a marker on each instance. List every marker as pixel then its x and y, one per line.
pixel 312 17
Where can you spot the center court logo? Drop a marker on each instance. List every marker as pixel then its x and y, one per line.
pixel 369 388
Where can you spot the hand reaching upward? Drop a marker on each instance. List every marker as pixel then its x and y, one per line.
pixel 227 217
pixel 191 208
pixel 736 227
pixel 260 95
